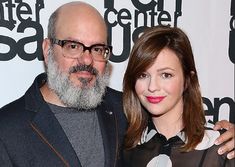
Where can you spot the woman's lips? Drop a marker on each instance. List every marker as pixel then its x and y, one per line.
pixel 155 99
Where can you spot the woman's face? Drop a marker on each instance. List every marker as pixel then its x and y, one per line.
pixel 160 88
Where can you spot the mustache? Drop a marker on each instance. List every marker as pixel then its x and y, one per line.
pixel 83 67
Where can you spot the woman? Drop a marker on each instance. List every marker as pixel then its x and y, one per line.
pixel 163 105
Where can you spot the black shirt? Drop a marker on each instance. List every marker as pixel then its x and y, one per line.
pixel 154 150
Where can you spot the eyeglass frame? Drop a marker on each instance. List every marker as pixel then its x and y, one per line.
pixel 61 43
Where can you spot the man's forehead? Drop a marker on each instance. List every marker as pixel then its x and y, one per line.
pixel 79 9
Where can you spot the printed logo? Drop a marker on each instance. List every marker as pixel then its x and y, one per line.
pixel 154 13
pixel 133 22
pixel 213 108
pixel 19 18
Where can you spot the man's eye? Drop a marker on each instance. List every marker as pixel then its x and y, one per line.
pixel 98 50
pixel 71 45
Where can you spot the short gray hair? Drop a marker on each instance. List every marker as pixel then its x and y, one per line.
pixel 52 24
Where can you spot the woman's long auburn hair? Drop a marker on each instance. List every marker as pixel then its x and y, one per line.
pixel 143 55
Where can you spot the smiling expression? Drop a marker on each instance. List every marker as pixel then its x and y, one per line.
pixel 160 88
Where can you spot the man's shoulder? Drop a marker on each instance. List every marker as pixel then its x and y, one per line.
pixel 13 106
pixel 13 115
pixel 113 98
pixel 29 99
pixel 113 93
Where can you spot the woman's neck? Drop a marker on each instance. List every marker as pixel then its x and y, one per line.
pixel 170 123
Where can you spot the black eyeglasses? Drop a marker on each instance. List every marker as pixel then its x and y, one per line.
pixel 74 49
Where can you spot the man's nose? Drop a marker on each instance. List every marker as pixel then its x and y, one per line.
pixel 86 57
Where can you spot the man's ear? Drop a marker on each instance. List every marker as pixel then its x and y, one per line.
pixel 46 44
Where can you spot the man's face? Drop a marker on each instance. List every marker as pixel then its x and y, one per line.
pixel 86 28
pixel 83 77
pixel 73 95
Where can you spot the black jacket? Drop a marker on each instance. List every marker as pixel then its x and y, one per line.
pixel 31 136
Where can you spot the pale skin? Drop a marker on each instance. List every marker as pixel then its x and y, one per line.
pixel 160 90
pixel 86 25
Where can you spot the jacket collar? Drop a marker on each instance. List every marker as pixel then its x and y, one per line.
pixel 151 131
pixel 108 126
pixel 50 131
pixel 47 126
pixel 208 139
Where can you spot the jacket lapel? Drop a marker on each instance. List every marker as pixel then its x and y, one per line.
pixel 49 130
pixel 108 126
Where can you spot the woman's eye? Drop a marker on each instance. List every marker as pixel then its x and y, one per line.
pixel 143 75
pixel 166 75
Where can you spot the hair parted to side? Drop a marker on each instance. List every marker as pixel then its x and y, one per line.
pixel 143 55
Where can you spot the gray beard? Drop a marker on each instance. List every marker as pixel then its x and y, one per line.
pixel 74 96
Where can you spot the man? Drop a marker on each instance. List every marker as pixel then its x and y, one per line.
pixel 68 117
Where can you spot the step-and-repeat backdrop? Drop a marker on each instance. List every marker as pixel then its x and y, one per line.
pixel 209 24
